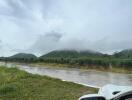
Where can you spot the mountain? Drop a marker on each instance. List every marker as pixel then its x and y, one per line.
pixel 124 54
pixel 23 56
pixel 90 53
pixel 70 54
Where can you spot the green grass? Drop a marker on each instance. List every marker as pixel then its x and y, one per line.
pixel 19 85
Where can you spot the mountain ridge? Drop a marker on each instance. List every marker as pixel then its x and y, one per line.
pixel 23 55
pixel 71 53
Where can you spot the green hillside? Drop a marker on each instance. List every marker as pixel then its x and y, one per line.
pixel 126 54
pixel 70 54
pixel 87 59
pixel 23 55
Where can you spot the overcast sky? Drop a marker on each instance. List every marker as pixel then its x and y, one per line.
pixel 40 26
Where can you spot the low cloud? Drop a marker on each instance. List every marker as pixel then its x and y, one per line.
pixel 57 41
pixel 41 26
pixel 46 43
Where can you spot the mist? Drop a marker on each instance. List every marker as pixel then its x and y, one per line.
pixel 41 26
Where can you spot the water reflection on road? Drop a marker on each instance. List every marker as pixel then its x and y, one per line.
pixel 88 78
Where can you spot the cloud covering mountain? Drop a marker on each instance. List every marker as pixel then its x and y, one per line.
pixel 40 26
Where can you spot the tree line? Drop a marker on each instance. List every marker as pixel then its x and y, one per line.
pixel 104 62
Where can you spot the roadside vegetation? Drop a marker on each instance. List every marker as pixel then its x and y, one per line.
pixel 86 67
pixel 119 62
pixel 20 85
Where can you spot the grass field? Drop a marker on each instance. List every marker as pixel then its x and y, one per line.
pixel 19 85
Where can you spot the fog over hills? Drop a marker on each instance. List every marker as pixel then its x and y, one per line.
pixel 125 54
pixel 41 26
pixel 71 54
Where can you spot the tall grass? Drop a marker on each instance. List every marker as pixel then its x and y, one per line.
pixel 19 85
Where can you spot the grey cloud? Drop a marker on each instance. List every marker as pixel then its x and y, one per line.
pixel 27 9
pixel 0 44
pixel 106 45
pixel 45 25
pixel 46 43
pixel 53 36
pixel 18 10
pixel 5 49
